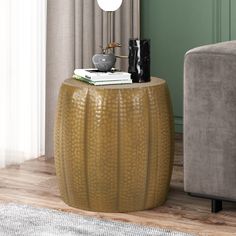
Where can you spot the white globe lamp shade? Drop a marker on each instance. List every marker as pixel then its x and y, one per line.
pixel 109 5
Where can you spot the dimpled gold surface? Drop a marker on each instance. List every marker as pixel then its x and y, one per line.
pixel 114 145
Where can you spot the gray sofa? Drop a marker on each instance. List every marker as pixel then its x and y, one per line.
pixel 210 122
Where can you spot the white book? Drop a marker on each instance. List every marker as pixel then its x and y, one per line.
pixel 109 82
pixel 95 75
pixel 112 82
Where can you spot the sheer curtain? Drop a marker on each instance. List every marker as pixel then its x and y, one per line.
pixel 22 80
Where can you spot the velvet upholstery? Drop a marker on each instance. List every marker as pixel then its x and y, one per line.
pixel 210 121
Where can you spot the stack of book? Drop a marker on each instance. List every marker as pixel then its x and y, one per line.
pixel 95 77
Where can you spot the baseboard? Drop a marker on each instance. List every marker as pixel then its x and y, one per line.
pixel 178 124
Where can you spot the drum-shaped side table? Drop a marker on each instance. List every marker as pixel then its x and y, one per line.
pixel 114 145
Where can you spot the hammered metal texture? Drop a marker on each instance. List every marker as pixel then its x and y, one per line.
pixel 114 145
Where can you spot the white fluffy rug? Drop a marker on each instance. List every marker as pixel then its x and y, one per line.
pixel 25 220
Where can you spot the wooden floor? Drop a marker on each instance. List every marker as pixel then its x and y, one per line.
pixel 34 183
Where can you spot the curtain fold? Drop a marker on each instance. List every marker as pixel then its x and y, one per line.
pixel 22 90
pixel 75 31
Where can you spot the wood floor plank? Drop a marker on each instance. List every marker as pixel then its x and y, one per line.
pixel 35 183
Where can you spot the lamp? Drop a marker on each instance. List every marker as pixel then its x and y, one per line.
pixel 105 61
pixel 109 5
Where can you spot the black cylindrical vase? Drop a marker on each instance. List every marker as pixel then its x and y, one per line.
pixel 139 60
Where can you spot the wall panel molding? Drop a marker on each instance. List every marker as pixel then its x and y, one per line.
pixel 216 20
pixel 223 29
pixel 221 20
pixel 177 26
pixel 232 19
pixel 230 16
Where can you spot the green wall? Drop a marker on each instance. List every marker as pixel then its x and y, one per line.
pixel 174 27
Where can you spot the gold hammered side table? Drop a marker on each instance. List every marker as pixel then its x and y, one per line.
pixel 114 145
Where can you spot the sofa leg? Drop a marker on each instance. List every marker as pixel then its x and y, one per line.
pixel 216 205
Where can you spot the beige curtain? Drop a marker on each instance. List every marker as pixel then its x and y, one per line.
pixel 75 31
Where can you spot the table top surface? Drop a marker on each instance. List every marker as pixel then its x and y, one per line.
pixel 154 82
